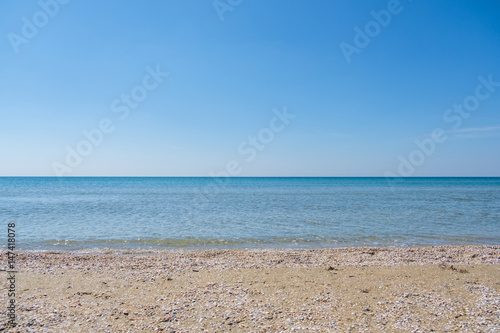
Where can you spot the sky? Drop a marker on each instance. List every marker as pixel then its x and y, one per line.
pixel 250 88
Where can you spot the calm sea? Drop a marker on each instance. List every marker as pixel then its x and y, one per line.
pixel 143 213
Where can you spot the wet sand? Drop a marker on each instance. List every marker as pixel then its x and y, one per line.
pixel 453 288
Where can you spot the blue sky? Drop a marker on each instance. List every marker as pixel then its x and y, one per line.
pixel 360 117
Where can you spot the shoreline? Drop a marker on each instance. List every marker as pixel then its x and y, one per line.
pixel 460 251
pixel 249 248
pixel 336 289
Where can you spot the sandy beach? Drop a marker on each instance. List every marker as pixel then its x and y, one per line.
pixel 445 288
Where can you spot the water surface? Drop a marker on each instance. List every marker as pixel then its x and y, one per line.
pixel 82 213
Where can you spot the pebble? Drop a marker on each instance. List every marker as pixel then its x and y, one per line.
pixel 245 307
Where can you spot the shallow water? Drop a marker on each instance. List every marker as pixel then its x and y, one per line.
pixel 80 213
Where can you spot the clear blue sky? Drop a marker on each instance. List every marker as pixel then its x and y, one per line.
pixel 356 118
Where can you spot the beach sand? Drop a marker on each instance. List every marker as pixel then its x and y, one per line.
pixel 446 288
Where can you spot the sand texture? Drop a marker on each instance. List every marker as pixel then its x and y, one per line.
pixel 424 289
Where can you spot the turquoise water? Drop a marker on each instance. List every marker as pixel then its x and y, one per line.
pixel 82 213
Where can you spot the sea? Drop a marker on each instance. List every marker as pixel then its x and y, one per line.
pixel 94 214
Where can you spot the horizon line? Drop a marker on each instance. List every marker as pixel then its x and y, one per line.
pixel 222 177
